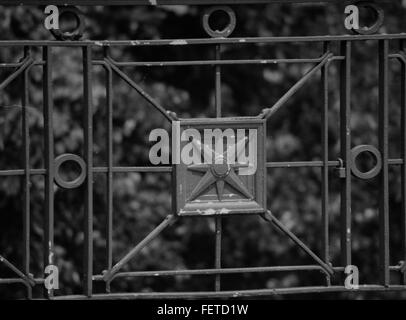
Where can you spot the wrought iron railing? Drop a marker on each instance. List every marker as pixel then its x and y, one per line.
pixel 345 164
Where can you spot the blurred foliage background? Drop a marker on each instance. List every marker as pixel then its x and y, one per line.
pixel 142 200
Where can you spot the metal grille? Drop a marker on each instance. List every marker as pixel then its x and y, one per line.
pixel 345 164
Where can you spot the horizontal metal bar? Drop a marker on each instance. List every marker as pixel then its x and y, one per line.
pixel 395 268
pixel 21 172
pixel 298 164
pixel 192 272
pixel 133 169
pixel 11 65
pixel 167 169
pixel 202 41
pixel 333 163
pixel 211 62
pixel 391 268
pixel 165 273
pixel 160 2
pixel 235 294
pixel 396 162
pixel 19 64
pixel 399 56
pixel 12 281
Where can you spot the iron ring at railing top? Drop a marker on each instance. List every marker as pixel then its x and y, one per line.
pixel 76 34
pixel 227 30
pixel 379 13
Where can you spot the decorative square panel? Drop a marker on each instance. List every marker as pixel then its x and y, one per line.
pixel 221 167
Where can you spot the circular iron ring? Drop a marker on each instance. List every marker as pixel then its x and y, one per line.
pixel 379 18
pixel 76 34
pixel 70 184
pixel 356 151
pixel 219 33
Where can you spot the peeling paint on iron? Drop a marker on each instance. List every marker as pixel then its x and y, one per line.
pixel 178 43
pixel 224 211
pixel 209 211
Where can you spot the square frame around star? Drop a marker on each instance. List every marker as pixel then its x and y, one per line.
pixel 218 188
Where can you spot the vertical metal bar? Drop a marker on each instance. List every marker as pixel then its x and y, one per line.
pixel 403 150
pixel 27 183
pixel 325 180
pixel 383 146
pixel 218 84
pixel 88 155
pixel 49 161
pixel 109 98
pixel 218 220
pixel 219 232
pixel 345 141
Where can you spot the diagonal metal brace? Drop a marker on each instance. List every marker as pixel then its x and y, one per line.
pixel 27 279
pixel 27 62
pixel 268 112
pixel 169 220
pixel 171 116
pixel 269 217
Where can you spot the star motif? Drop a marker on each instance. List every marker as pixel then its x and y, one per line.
pixel 219 172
